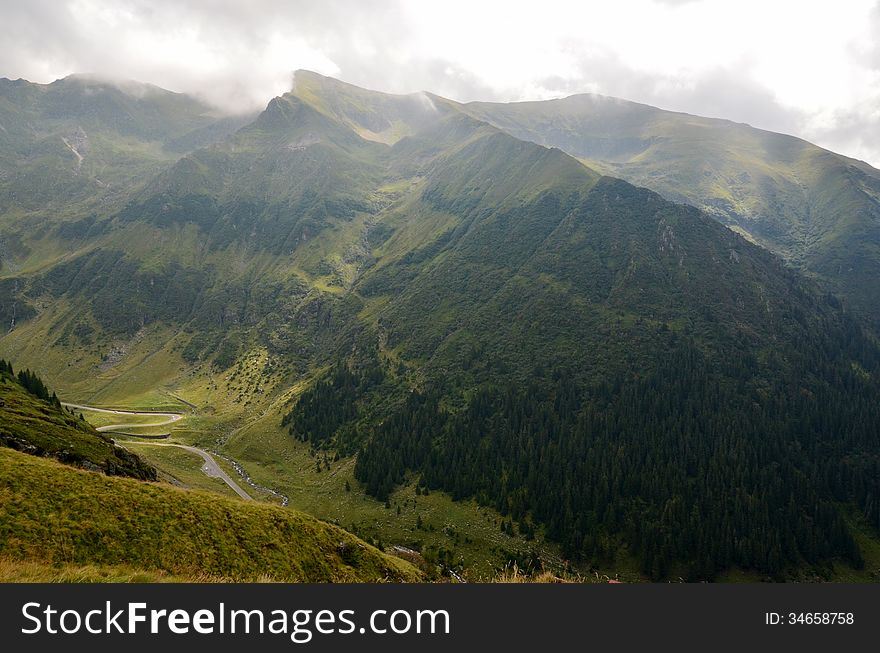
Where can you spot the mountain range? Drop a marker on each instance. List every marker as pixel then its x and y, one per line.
pixel 818 210
pixel 636 335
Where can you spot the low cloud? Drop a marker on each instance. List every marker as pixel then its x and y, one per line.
pixel 795 67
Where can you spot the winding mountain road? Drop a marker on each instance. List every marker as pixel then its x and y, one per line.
pixel 210 466
pixel 169 417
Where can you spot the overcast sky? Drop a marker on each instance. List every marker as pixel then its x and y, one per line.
pixel 801 67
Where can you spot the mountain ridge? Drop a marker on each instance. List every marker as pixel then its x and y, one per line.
pixel 818 209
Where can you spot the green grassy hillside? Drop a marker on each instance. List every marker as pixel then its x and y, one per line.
pixel 80 142
pixel 75 150
pixel 56 515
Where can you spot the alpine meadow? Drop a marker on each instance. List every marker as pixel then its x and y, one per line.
pixel 359 336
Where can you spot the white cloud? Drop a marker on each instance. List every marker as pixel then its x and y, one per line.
pixel 810 68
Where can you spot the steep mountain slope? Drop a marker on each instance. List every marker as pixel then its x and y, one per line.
pixel 290 200
pixel 591 355
pixel 491 317
pixel 41 427
pixel 818 209
pixel 74 149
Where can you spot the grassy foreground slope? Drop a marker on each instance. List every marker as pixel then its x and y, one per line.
pixel 16 571
pixel 50 513
pixel 63 524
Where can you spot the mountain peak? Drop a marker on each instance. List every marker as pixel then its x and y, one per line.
pixel 311 79
pixel 374 115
